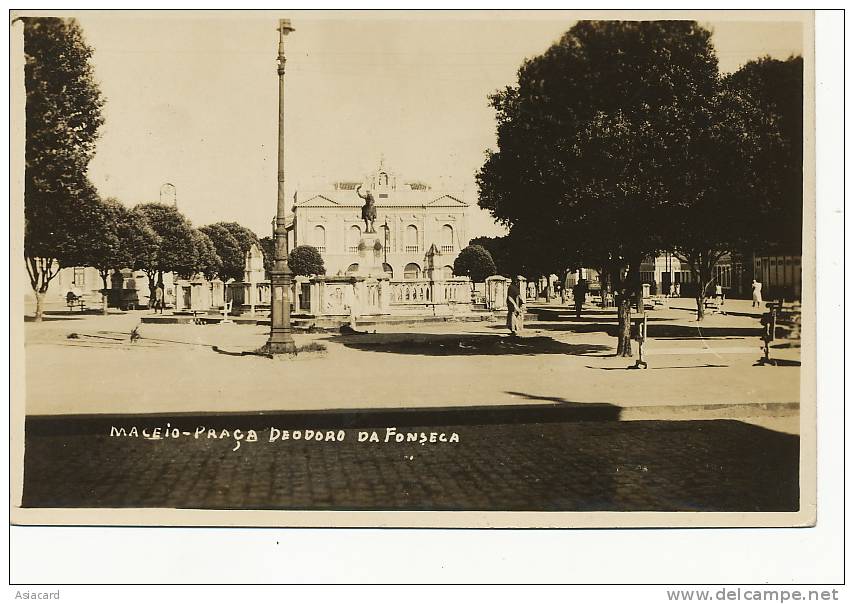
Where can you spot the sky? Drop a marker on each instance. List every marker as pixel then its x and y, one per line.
pixel 192 100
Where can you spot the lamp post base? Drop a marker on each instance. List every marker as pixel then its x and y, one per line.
pixel 280 346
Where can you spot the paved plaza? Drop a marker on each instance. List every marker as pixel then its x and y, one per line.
pixel 481 421
pixel 199 368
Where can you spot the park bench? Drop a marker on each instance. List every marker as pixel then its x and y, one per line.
pixel 788 317
pixel 714 304
pixel 657 300
pixel 72 300
pixel 780 314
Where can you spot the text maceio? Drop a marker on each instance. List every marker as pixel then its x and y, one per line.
pixel 390 435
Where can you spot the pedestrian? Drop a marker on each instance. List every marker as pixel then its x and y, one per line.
pixel 757 294
pixel 719 292
pixel 676 289
pixel 158 298
pixel 515 308
pixel 579 293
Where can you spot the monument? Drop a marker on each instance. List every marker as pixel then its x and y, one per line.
pixel 369 210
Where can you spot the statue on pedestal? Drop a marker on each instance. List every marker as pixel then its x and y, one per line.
pixel 369 210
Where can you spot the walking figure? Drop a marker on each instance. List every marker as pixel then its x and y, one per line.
pixel 757 294
pixel 515 308
pixel 579 293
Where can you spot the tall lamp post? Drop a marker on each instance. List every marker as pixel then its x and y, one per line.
pixel 281 341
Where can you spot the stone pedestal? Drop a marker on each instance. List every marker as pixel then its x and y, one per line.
pixel 370 256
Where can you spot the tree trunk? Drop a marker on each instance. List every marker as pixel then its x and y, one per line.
pixel 629 290
pixel 624 328
pixel 705 280
pixel 40 271
pixel 39 306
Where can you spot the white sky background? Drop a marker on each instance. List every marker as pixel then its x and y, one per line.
pixel 192 100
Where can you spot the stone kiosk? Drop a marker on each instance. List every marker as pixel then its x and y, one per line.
pixel 253 292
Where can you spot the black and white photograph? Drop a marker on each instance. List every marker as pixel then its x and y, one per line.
pixel 475 269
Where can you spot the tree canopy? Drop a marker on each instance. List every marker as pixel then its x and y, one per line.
pixel 229 251
pixel 63 117
pixel 475 262
pixel 619 141
pixel 777 89
pixel 138 243
pixel 177 250
pixel 306 260
pixel 208 263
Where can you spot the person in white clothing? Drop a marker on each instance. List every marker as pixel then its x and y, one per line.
pixel 757 294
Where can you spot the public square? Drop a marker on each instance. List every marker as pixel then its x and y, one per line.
pixel 424 252
pixel 550 420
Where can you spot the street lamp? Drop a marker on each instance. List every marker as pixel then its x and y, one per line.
pixel 281 341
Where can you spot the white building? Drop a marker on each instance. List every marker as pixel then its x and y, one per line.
pixel 411 217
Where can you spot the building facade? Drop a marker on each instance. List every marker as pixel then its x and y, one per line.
pixel 411 218
pixel 780 275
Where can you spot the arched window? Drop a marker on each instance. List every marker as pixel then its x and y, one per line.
pixel 388 270
pixel 447 240
pixel 447 271
pixel 412 272
pixel 353 268
pixel 411 238
pixel 320 238
pixel 354 235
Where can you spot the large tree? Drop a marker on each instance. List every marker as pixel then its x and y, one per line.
pixel 244 236
pixel 586 140
pixel 777 88
pixel 177 250
pixel 208 262
pixel 229 251
pixel 729 171
pixel 138 242
pixel 63 113
pixel 102 248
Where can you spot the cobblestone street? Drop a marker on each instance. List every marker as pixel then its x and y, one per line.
pixel 544 459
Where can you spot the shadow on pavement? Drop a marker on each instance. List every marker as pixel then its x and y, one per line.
pixel 46 318
pixel 465 345
pixel 658 331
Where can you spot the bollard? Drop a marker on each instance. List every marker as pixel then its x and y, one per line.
pixel 769 325
pixel 640 337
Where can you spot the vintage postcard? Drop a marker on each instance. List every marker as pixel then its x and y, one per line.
pixel 413 269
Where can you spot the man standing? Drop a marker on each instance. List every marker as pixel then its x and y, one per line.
pixel 158 298
pixel 579 293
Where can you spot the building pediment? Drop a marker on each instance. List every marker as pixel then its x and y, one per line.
pixel 446 201
pixel 317 201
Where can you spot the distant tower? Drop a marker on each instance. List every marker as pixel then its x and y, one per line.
pixel 168 194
